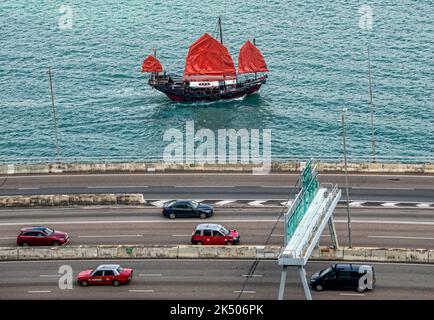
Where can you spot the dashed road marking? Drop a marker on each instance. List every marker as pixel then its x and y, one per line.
pixel 223 202
pixel 39 291
pixel 257 203
pixel 352 294
pixel 401 237
pixel 141 290
pixel 244 291
pixel 113 236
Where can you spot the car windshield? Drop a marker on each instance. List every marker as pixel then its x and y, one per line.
pixel 325 271
pixel 195 204
pixel 224 231
pixel 48 231
pixel 168 204
pixel 120 269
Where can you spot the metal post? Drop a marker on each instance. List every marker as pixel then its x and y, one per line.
pixel 372 109
pixel 53 109
pixel 346 175
pixel 302 274
pixel 282 282
pixel 333 234
pixel 285 229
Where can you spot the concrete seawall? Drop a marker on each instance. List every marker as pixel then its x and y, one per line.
pixel 400 255
pixel 141 167
pixel 71 200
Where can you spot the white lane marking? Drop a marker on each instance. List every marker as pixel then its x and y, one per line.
pixel 389 204
pixel 257 203
pixel 244 291
pixel 277 235
pixel 113 236
pixel 285 187
pixel 150 275
pixel 356 204
pixel 401 237
pixel 49 275
pixel 7 238
pixel 159 203
pixel 429 265
pixel 141 290
pixel 223 202
pixel 424 205
pixel 181 235
pixel 352 294
pixel 403 222
pixel 425 223
pixel 29 188
pixel 379 188
pixel 112 187
pixel 252 275
pixel 204 186
pixel 39 291
pixel 286 203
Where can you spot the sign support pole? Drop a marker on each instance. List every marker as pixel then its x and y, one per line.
pixel 333 235
pixel 302 274
pixel 282 282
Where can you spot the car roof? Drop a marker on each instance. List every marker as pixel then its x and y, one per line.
pixel 350 266
pixel 108 267
pixel 212 226
pixel 33 228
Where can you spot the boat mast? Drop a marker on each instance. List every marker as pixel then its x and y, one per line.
pixel 220 29
pixel 254 43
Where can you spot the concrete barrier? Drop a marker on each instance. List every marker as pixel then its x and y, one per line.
pixel 71 200
pixel 284 166
pixel 362 254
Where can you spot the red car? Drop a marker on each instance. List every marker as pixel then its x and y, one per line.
pixel 214 234
pixel 112 274
pixel 41 236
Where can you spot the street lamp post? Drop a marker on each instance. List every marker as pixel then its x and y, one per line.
pixel 53 109
pixel 344 133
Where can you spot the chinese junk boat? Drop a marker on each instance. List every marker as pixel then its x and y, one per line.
pixel 209 73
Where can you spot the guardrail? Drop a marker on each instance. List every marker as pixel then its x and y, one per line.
pixel 155 159
pixel 401 255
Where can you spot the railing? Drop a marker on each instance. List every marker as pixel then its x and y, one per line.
pixel 156 159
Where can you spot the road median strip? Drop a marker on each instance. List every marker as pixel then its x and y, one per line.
pixel 137 200
pixel 371 254
pixel 157 167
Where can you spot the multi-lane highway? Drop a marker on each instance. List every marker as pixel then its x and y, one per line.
pixel 405 188
pixel 204 279
pixel 407 220
pixel 373 226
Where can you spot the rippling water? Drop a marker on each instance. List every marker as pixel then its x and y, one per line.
pixel 316 53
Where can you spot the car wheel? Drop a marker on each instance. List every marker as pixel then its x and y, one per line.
pixel 319 287
pixel 84 283
pixel 202 215
pixel 199 243
pixel 360 289
pixel 25 244
pixel 229 243
pixel 116 283
pixel 172 215
pixel 55 243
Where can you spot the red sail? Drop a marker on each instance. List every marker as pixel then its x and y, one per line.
pixel 208 59
pixel 250 59
pixel 151 64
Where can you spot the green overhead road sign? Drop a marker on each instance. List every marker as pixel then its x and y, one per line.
pixel 310 185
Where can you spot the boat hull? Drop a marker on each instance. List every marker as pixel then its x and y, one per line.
pixel 181 93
